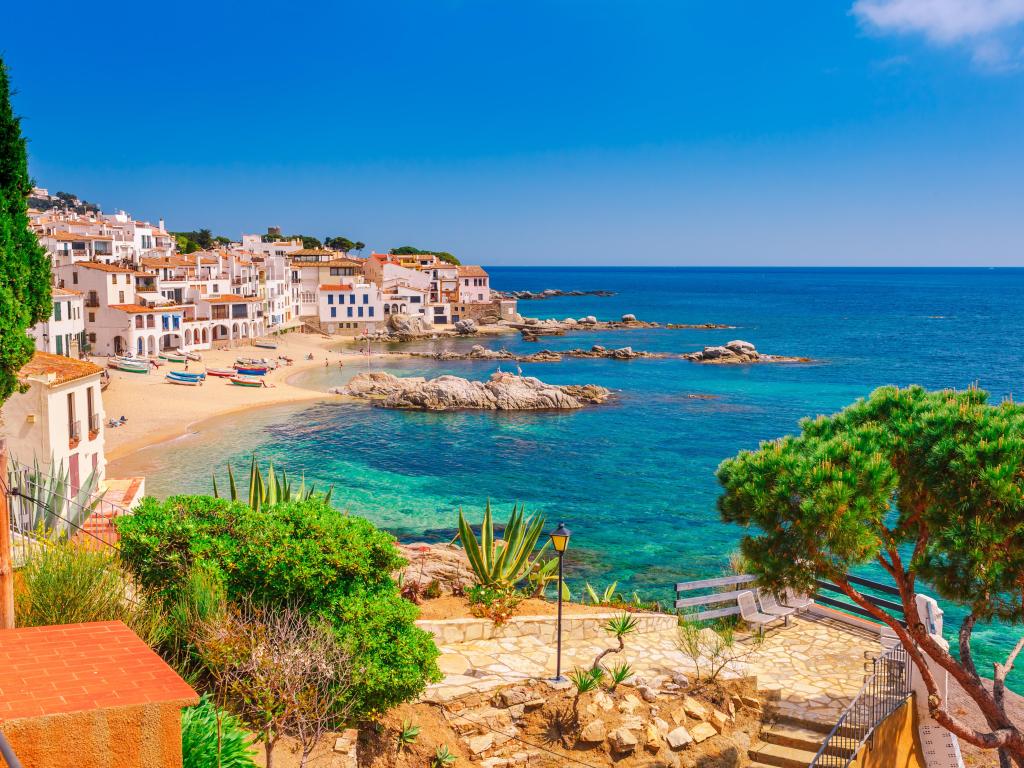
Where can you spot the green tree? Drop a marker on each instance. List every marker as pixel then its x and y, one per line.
pixel 339 244
pixel 309 242
pixel 25 276
pixel 336 566
pixel 928 485
pixel 409 250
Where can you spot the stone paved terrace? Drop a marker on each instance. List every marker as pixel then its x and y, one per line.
pixel 814 666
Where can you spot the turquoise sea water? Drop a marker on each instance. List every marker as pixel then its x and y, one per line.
pixel 634 480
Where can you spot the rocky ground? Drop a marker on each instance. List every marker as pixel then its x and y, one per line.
pixel 502 392
pixel 479 352
pixel 656 723
pixel 739 353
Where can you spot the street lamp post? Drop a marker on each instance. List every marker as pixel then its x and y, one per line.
pixel 560 541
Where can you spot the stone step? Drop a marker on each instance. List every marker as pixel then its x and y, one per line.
pixel 793 736
pixel 797 720
pixel 780 756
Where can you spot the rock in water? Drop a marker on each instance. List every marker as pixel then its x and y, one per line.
pixel 739 352
pixel 466 327
pixel 629 318
pixel 406 325
pixel 502 392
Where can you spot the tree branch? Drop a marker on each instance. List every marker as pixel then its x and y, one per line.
pixel 966 657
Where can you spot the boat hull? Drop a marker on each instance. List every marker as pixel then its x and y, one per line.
pixel 225 373
pixel 251 371
pixel 128 367
pixel 244 381
pixel 185 382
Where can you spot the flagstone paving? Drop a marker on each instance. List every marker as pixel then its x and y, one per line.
pixel 814 666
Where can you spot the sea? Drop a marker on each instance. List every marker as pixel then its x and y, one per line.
pixel 634 480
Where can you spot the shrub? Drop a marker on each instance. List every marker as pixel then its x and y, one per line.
pixel 305 553
pixel 67 583
pixel 281 671
pixel 213 737
pixel 498 605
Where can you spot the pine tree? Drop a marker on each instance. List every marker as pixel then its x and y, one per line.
pixel 25 275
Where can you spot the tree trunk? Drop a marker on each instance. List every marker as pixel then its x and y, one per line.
pixel 268 749
pixel 6 564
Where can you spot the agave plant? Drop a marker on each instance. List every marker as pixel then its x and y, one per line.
pixel 605 598
pixel 503 563
pixel 47 506
pixel 274 489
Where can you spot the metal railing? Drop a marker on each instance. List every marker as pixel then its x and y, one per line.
pixel 885 690
pixel 74 433
pixel 39 516
pixel 94 423
pixel 7 753
pixel 868 586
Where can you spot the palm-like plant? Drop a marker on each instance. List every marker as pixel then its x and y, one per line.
pixel 502 563
pixel 618 626
pixel 443 757
pixel 274 489
pixel 619 673
pixel 408 735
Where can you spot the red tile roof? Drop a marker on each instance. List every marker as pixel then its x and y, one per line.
pixel 335 287
pixel 82 667
pixel 102 267
pixel 64 368
pixel 471 270
pixel 230 298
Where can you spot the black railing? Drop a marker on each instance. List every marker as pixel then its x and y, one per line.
pixel 884 691
pixel 868 586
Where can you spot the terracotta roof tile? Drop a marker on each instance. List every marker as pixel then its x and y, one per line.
pixel 65 368
pixel 102 267
pixel 471 270
pixel 335 287
pixel 81 667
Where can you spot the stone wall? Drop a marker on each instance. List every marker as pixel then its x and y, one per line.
pixel 574 627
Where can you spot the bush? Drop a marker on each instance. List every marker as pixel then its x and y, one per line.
pixel 302 552
pixel 67 583
pixel 202 747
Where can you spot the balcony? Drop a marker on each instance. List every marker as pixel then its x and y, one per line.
pixel 74 434
pixel 92 301
pixel 94 425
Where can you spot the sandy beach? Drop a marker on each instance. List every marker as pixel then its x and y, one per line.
pixel 157 410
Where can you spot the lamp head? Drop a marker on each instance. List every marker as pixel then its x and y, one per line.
pixel 560 538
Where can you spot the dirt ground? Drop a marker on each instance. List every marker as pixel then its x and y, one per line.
pixel 964 707
pixel 458 608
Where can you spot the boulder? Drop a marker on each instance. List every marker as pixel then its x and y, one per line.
pixel 569 321
pixel 629 318
pixel 679 738
pixel 741 347
pixel 652 737
pixel 622 740
pixel 594 732
pixel 604 701
pixel 719 720
pixel 695 709
pixel 589 320
pixel 502 392
pixel 512 696
pixel 647 694
pixel 407 325
pixel 629 704
pixel 466 327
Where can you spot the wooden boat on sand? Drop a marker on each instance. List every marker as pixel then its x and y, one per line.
pixel 247 381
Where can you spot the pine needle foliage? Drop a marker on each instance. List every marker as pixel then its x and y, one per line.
pixel 25 275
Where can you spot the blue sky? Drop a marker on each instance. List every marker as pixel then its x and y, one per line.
pixel 558 131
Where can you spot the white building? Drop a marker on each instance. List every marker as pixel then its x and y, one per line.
pixel 59 418
pixel 64 332
pixel 350 308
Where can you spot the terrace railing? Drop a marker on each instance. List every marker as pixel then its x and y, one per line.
pixel 885 690
pixel 698 606
pixel 872 592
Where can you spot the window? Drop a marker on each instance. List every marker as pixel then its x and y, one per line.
pixel 92 338
pixel 90 409
pixel 366 298
pixel 71 415
pixel 370 312
pixel 334 311
pixel 330 298
pixel 120 297
pixel 351 298
pixel 56 310
pixel 350 311
pixel 92 317
pixel 74 278
pixel 60 345
pixel 360 311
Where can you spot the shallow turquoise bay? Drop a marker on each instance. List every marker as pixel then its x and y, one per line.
pixel 634 480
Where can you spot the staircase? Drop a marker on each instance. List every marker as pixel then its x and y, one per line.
pixel 789 741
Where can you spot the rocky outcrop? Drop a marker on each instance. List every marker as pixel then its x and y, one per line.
pixel 739 353
pixel 479 352
pixel 699 326
pixel 407 325
pixel 466 327
pixel 502 392
pixel 443 565
pixel 550 293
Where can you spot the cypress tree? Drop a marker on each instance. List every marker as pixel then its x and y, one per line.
pixel 25 274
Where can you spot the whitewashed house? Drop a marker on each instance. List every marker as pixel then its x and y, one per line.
pixel 64 332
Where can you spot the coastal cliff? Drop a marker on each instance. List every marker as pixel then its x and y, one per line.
pixel 502 392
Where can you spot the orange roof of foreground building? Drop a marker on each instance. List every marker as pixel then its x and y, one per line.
pixel 335 287
pixel 79 667
pixel 57 291
pixel 471 270
pixel 64 368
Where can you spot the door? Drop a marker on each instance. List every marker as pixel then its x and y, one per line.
pixel 75 481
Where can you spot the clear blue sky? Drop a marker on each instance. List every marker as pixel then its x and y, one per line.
pixel 550 131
